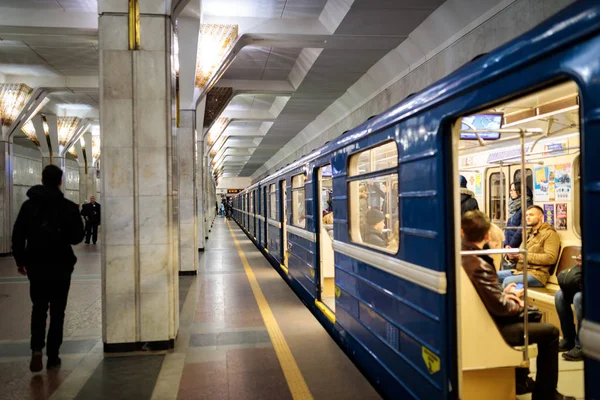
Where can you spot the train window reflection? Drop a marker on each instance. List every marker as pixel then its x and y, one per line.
pixel 298 202
pixel 373 200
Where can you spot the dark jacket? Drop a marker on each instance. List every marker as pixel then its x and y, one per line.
pixel 467 201
pixel 485 279
pixel 91 212
pixel 514 237
pixel 44 254
pixel 375 238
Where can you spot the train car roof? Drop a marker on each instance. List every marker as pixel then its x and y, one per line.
pixel 575 21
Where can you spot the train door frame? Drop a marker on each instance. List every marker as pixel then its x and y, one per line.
pixel 265 213
pixel 253 216
pixel 283 220
pixel 320 234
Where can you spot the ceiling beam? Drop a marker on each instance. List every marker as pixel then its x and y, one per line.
pixel 44 18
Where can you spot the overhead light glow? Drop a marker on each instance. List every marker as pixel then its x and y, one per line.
pixel 216 40
pixel 13 97
pixel 95 148
pixel 66 129
pixel 29 131
pixel 217 129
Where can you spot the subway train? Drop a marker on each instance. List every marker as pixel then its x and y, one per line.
pixel 366 229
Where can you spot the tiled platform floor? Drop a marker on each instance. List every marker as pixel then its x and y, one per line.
pixel 223 349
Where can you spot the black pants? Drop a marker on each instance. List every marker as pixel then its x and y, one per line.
pixel 91 229
pixel 44 293
pixel 546 338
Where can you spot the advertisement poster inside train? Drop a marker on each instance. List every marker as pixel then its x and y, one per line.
pixel 561 217
pixel 541 186
pixel 553 149
pixel 549 213
pixel 562 178
pixel 474 184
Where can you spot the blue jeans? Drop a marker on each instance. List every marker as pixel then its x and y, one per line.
pixel 565 314
pixel 507 277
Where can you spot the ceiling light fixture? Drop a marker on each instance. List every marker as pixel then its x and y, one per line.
pixel 557 106
pixel 217 129
pixel 13 97
pixel 216 40
pixel 66 129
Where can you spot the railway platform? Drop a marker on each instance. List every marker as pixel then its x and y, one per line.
pixel 243 335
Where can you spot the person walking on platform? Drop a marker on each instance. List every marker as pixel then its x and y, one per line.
pixel 46 227
pixel 91 214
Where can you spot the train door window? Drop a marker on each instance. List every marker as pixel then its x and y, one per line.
pixel 497 197
pixel 529 182
pixel 298 201
pixel 326 264
pixel 273 201
pixel 373 199
pixel 535 139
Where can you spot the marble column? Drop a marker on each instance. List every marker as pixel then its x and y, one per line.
pixel 201 187
pixel 139 236
pixel 6 153
pixel 186 154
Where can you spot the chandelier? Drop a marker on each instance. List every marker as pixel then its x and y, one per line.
pixel 13 97
pixel 217 129
pixel 66 128
pixel 215 42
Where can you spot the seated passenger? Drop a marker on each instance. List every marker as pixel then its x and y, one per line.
pixel 328 224
pixel 375 225
pixel 571 289
pixel 363 209
pixel 506 308
pixel 543 246
pixel 512 234
pixel 467 198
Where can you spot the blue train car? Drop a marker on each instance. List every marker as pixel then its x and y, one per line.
pixel 367 229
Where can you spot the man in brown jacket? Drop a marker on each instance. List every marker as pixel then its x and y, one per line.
pixel 543 246
pixel 505 306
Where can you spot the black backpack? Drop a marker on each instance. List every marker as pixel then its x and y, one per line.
pixel 45 227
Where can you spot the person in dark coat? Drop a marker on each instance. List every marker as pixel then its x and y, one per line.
pixel 512 234
pixel 375 226
pixel 46 227
pixel 91 214
pixel 467 198
pixel 506 307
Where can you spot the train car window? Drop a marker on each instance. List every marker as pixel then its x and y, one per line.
pixel 517 177
pixel 373 199
pixel 298 202
pixel 251 202
pixel 577 196
pixel 497 198
pixel 273 201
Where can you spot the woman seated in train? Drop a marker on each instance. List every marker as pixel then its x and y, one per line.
pixel 363 201
pixel 507 310
pixel 375 225
pixel 512 233
pixel 328 224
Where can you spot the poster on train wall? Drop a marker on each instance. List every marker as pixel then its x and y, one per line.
pixel 561 217
pixel 474 184
pixel 541 184
pixel 549 213
pixel 562 179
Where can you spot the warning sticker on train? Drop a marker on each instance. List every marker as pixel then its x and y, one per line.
pixel 431 360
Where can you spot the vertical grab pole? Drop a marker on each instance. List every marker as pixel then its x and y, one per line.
pixel 502 203
pixel 524 245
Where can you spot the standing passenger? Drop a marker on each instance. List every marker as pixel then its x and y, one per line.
pixel 91 214
pixel 467 198
pixel 47 226
pixel 512 234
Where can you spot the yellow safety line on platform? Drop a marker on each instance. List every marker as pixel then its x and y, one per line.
pixel 293 376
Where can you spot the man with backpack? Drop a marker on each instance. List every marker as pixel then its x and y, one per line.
pixel 46 227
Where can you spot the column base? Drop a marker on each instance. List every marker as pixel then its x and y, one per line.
pixel 139 346
pixel 188 273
